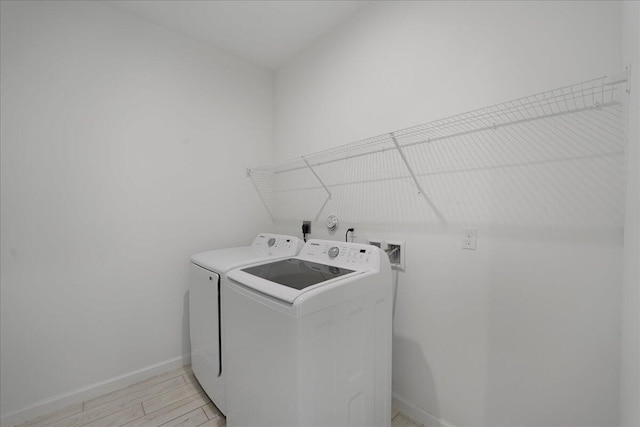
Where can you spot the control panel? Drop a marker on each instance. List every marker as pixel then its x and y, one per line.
pixel 277 244
pixel 341 254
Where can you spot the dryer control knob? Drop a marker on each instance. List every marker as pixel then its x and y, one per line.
pixel 271 242
pixel 334 251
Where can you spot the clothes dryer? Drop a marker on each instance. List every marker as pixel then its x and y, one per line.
pixel 308 339
pixel 207 273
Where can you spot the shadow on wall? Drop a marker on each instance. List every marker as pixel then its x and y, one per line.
pixel 416 381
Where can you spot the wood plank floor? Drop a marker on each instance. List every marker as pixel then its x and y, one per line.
pixel 169 399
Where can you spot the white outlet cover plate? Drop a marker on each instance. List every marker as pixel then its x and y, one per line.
pixel 469 238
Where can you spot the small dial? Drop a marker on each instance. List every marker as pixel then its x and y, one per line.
pixel 334 251
pixel 271 242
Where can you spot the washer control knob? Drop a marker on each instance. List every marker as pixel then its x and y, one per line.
pixel 271 242
pixel 334 251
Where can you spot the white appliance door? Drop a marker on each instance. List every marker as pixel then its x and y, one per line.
pixel 205 333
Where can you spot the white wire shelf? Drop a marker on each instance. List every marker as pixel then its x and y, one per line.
pixel 376 179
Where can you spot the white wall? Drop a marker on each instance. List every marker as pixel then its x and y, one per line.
pixel 525 330
pixel 124 150
pixel 630 366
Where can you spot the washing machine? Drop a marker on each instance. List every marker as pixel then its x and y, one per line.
pixel 207 273
pixel 308 339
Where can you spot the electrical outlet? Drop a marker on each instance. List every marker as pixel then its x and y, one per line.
pixel 469 238
pixel 306 227
pixel 353 235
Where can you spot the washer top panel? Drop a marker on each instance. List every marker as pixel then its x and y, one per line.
pixel 297 273
pixel 265 246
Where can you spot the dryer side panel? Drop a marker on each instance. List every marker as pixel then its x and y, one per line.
pixel 204 331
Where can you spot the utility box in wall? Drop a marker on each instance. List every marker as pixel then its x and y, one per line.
pixel 395 250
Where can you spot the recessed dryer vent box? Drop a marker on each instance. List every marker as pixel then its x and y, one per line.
pixel 376 242
pixel 394 249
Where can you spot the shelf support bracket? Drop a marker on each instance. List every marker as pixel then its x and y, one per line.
pixel 323 186
pixel 415 180
pixel 264 201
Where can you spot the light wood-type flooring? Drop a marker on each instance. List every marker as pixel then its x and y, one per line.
pixel 172 398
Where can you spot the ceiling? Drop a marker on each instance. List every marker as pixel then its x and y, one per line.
pixel 267 33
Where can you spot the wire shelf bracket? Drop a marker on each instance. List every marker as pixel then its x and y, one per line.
pixel 262 194
pixel 323 186
pixel 415 180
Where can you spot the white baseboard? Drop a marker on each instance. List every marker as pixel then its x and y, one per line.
pixel 89 392
pixel 418 414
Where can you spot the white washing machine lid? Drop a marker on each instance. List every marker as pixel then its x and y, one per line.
pixel 296 273
pixel 288 279
pixel 222 260
pixel 265 247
